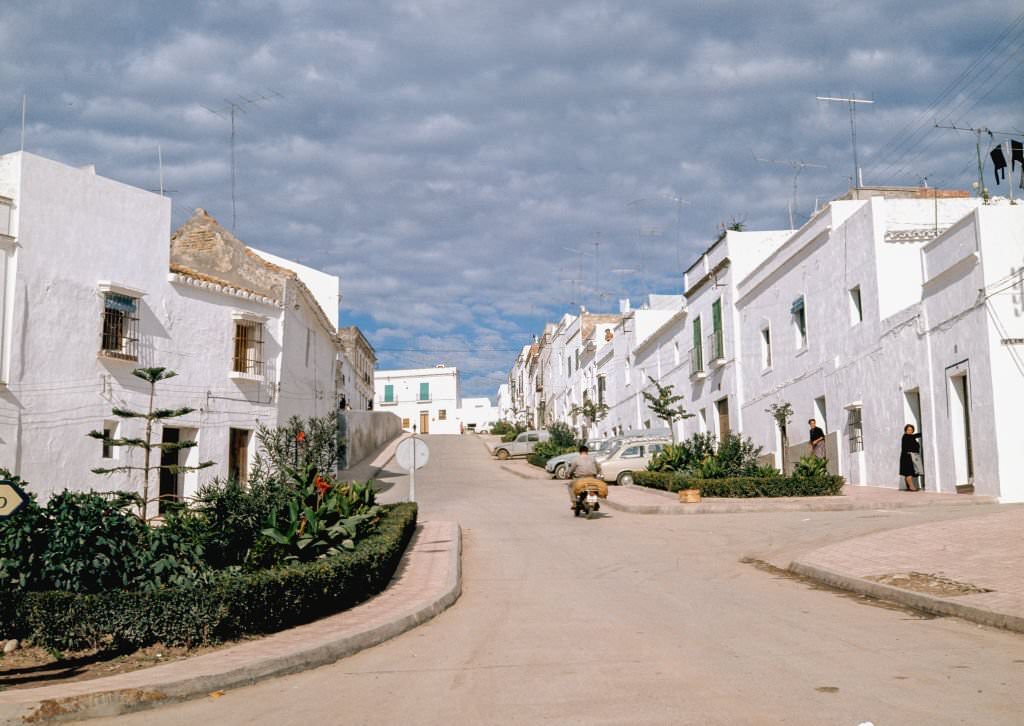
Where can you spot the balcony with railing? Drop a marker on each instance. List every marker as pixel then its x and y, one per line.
pixel 697 363
pixel 715 345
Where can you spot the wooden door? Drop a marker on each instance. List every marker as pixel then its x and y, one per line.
pixel 723 417
pixel 424 422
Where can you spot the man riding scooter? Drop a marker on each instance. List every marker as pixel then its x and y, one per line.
pixel 585 487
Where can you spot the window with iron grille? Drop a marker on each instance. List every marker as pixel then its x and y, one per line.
pixel 855 430
pixel 120 326
pixel 248 351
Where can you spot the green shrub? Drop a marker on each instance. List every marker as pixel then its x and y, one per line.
pixel 88 542
pixel 686 455
pixel 746 486
pixel 737 455
pixel 320 518
pixel 562 436
pixel 221 606
pixel 501 428
pixel 546 450
pixel 704 456
pixel 810 467
pixel 298 444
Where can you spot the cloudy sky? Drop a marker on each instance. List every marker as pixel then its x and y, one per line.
pixel 473 169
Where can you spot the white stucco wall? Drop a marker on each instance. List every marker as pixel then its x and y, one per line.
pixel 326 288
pixel 74 230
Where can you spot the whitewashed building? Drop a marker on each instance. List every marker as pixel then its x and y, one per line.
pixel 90 290
pixel 876 314
pixel 626 372
pixel 425 398
pixel 356 362
pixel 711 378
pixel 477 414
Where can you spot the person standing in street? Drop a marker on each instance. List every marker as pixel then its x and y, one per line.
pixel 911 465
pixel 817 439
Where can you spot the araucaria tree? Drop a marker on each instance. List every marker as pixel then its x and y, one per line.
pixel 665 406
pixel 152 376
pixel 782 412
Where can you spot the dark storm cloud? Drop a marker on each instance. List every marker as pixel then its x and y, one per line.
pixel 441 157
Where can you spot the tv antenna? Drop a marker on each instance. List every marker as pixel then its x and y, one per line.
pixel 852 100
pixel 798 166
pixel 230 110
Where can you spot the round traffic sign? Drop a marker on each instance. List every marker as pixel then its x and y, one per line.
pixel 410 448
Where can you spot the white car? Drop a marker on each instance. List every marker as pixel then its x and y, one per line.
pixel 559 465
pixel 523 444
pixel 630 456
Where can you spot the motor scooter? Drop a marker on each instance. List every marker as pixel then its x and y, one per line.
pixel 586 495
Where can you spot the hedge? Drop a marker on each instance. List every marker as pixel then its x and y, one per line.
pixel 743 486
pixel 226 606
pixel 538 459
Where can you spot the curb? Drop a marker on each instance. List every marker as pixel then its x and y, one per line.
pixel 817 504
pixel 249 662
pixel 916 600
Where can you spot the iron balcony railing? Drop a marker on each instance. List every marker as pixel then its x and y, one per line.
pixel 696 361
pixel 716 347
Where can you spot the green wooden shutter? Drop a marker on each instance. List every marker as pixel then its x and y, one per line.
pixel 389 393
pixel 424 391
pixel 716 316
pixel 696 334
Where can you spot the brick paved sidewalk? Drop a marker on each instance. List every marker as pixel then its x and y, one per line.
pixel 971 567
pixel 427 582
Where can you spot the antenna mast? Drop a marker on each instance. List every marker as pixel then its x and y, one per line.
pixel 798 166
pixel 229 111
pixel 852 100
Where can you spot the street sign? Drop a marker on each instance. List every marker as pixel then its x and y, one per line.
pixel 405 451
pixel 11 499
pixel 412 454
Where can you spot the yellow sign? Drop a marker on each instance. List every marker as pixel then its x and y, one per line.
pixel 11 499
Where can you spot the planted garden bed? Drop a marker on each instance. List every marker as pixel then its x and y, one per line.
pixel 743 486
pixel 224 606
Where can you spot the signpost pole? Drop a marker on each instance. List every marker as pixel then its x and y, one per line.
pixel 412 472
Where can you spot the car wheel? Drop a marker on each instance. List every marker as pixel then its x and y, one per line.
pixel 561 471
pixel 625 479
pixel 502 454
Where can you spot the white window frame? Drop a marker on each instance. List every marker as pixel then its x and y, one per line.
pixel 128 348
pixel 257 370
pixel 856 306
pixel 766 348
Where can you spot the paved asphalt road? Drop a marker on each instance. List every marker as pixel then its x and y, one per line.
pixel 633 619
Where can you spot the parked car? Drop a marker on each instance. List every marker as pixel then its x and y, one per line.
pixel 629 456
pixel 559 465
pixel 523 444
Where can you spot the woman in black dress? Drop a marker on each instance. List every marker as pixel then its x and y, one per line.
pixel 910 455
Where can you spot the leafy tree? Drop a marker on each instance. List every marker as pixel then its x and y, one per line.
pixel 782 412
pixel 664 406
pixel 591 412
pixel 152 376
